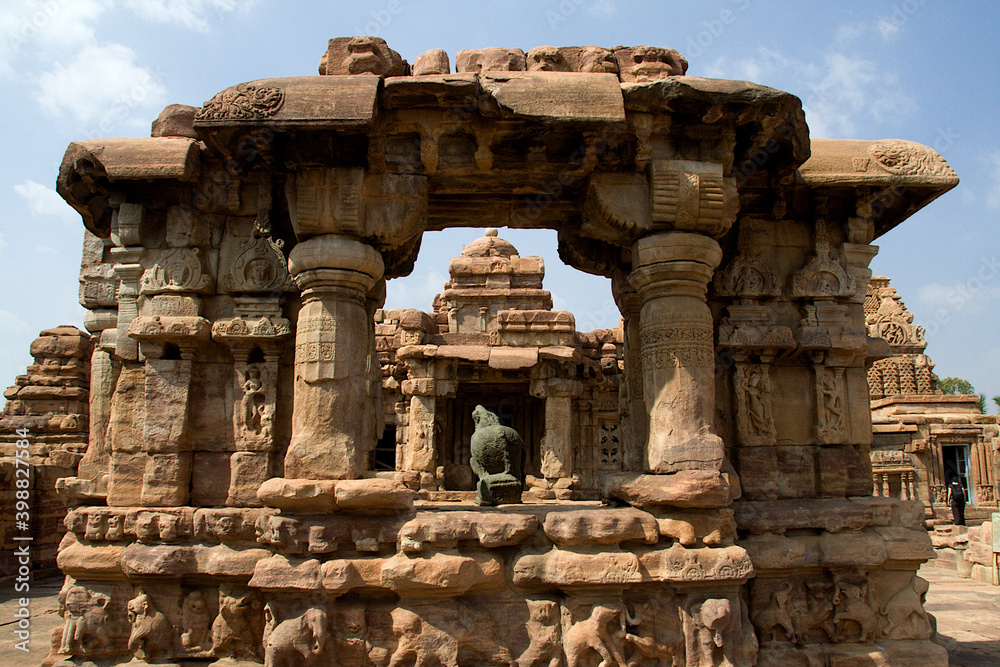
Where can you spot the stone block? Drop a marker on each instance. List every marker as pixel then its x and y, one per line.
pixel 298 495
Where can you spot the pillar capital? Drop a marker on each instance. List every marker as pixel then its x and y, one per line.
pixel 674 264
pixel 335 260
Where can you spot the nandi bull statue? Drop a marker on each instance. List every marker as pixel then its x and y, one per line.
pixel 497 459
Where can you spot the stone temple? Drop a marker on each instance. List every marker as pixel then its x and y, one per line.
pixel 277 469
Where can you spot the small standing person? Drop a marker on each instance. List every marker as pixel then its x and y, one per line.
pixel 956 497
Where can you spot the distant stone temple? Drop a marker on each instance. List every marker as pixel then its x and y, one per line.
pixel 494 340
pixel 279 470
pixel 923 439
pixel 43 437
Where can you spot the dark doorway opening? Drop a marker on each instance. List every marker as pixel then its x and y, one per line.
pixel 955 461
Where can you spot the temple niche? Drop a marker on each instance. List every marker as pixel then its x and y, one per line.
pixel 923 439
pixel 282 473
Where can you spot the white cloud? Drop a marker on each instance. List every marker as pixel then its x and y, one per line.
pixel 3 240
pixel 192 14
pixel 993 176
pixel 839 93
pixel 44 201
pixel 46 28
pixel 603 8
pixel 973 295
pixel 54 46
pixel 102 86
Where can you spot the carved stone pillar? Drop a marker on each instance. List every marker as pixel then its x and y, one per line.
pixel 557 442
pixel 671 273
pixel 420 453
pixel 104 369
pixel 331 400
pixel 632 404
pixel 126 255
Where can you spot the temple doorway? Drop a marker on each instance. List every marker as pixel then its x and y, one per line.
pixel 955 459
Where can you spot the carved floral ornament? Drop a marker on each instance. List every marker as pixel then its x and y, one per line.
pixel 906 158
pixel 243 102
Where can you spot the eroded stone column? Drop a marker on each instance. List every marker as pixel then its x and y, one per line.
pixel 671 273
pixel 632 404
pixel 557 442
pixel 332 346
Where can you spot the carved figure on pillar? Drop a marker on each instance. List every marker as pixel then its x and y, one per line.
pixel 830 425
pixel 754 418
pixel 152 634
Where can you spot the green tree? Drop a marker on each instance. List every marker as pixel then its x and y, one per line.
pixel 960 386
pixel 996 401
pixel 955 386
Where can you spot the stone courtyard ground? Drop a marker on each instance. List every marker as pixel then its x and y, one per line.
pixel 967 611
pixel 968 617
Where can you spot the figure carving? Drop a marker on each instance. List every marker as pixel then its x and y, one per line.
pixel 831 408
pixel 195 623
pixel 544 649
pixel 299 641
pixel 421 642
pixel 237 629
pixel 497 459
pixel 853 619
pixel 903 615
pixel 755 417
pixel 774 623
pixel 648 644
pixel 116 527
pixel 816 614
pixel 152 635
pixel 95 527
pixel 593 634
pixel 254 400
pixel 718 633
pixel 87 624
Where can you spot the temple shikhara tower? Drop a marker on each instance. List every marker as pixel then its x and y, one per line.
pixel 279 471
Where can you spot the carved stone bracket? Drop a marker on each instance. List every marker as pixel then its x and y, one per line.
pixel 692 196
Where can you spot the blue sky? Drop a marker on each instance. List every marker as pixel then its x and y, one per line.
pixel 918 70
